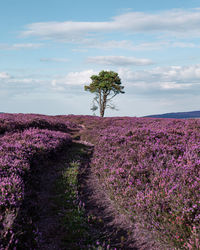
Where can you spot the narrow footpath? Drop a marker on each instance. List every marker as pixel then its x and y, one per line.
pixel 72 210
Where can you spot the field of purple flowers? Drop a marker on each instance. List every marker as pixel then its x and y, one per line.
pixel 12 122
pixel 23 141
pixel 149 168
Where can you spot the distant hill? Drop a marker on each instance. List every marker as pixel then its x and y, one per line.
pixel 178 115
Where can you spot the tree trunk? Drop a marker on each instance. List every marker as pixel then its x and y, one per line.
pixel 103 105
pixel 100 103
pixel 102 110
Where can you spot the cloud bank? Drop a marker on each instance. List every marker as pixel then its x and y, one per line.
pixel 176 22
pixel 158 79
pixel 173 79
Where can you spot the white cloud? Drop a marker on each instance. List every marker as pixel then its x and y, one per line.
pixel 19 84
pixel 4 75
pixel 62 60
pixel 174 85
pixel 79 78
pixel 26 45
pixel 73 79
pixel 25 80
pixel 18 46
pixel 176 22
pixel 119 60
pixel 172 77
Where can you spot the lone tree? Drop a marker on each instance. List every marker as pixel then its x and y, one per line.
pixel 106 85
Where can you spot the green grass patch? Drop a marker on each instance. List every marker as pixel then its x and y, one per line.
pixel 76 225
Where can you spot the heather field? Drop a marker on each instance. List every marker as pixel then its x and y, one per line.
pixel 143 171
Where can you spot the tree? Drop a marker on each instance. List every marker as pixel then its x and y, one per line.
pixel 106 85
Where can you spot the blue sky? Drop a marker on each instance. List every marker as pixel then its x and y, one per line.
pixel 50 48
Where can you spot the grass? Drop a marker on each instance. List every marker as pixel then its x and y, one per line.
pixel 77 226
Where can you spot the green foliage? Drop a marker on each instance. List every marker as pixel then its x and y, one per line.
pixel 106 85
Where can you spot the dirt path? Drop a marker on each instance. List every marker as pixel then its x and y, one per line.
pixel 61 224
pixel 48 224
pixel 69 212
pixel 73 211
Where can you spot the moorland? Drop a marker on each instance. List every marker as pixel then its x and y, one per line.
pixel 85 182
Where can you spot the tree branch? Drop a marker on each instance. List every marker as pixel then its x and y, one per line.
pixel 112 97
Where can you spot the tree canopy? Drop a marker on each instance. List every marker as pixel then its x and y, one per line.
pixel 106 85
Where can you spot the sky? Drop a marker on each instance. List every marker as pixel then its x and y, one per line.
pixel 49 49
